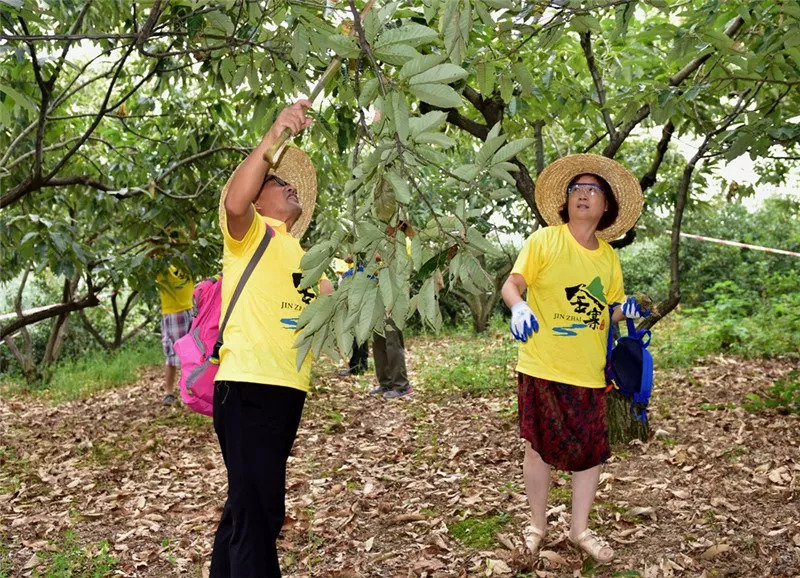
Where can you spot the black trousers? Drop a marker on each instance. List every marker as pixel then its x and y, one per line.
pixel 360 356
pixel 256 425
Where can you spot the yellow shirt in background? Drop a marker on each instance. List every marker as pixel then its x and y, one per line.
pixel 175 289
pixel 257 346
pixel 569 290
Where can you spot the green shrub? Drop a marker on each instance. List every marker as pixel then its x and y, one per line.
pixel 784 395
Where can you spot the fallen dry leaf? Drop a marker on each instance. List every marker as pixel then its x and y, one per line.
pixel 714 550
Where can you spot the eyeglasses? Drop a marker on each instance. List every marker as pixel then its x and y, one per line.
pixel 277 179
pixel 588 189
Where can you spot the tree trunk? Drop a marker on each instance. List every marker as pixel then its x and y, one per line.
pixel 622 426
pixel 25 360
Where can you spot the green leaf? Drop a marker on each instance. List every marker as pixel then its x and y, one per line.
pixel 396 54
pixel 479 241
pixel 428 122
pixel 427 300
pixel 419 65
pixel 319 253
pixel 344 46
pixel 585 23
pixel 409 33
pixel 400 187
pixel 372 25
pixel 466 173
pixel 435 263
pixel 400 114
pixel 485 73
pixel 500 4
pixel 302 352
pixel 524 77
pixel 386 286
pixel 19 98
pixel 300 44
pixel 506 87
pixel 512 149
pixel 435 138
pixel 452 22
pixel 488 149
pixel 371 311
pixel 441 74
pixel 502 174
pixel 220 21
pixel 369 90
pixel 439 95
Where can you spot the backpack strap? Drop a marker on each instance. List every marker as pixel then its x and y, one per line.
pixel 610 347
pixel 647 386
pixel 251 265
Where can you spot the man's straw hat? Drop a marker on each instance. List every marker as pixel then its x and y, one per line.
pixel 297 169
pixel 551 190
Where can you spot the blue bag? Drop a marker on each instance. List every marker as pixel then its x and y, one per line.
pixel 629 367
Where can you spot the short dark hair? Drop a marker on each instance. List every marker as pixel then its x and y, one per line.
pixel 609 216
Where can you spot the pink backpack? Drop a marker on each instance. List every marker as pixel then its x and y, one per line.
pixel 198 350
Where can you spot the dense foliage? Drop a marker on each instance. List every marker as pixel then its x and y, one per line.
pixel 121 122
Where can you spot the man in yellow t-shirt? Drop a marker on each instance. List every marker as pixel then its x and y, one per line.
pixel 175 289
pixel 259 392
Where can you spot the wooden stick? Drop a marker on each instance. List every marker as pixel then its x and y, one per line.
pixel 273 154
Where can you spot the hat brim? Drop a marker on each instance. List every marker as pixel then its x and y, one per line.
pixel 295 167
pixel 551 190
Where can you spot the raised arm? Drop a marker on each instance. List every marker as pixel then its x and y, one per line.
pixel 246 182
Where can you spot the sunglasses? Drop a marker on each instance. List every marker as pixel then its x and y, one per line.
pixel 277 179
pixel 588 189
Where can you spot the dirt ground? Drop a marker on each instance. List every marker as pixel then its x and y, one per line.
pixel 428 485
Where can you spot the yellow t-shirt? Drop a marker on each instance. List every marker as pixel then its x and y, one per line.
pixel 175 289
pixel 257 346
pixel 569 290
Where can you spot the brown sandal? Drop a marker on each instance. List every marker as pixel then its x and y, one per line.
pixel 593 545
pixel 533 538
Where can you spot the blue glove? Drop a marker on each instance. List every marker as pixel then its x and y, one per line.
pixel 523 322
pixel 632 310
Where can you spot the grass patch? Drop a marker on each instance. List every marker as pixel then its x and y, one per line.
pixel 104 454
pixel 5 558
pixel 479 532
pixel 475 366
pixel 71 559
pixel 98 371
pixel 181 417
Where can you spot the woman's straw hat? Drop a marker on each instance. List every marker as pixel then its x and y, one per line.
pixel 296 169
pixel 551 190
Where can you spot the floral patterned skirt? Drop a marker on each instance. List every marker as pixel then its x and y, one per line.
pixel 565 424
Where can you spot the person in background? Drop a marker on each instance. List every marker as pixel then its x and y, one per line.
pixel 572 277
pixel 175 289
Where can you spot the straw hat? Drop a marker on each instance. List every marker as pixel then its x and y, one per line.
pixel 551 190
pixel 297 169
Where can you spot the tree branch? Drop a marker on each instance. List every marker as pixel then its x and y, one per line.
pixel 649 178
pixel 586 44
pixel 89 300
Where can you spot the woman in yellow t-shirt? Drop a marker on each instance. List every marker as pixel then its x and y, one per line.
pixel 572 277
